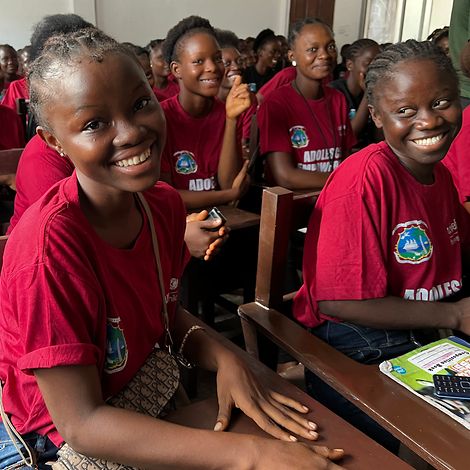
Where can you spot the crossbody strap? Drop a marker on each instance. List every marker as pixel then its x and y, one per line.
pixel 156 252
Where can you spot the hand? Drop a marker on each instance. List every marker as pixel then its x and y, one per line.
pixel 201 242
pixel 241 183
pixel 272 455
pixel 238 99
pixel 276 414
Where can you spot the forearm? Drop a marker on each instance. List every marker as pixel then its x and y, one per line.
pixel 394 313
pixel 359 121
pixel 297 179
pixel 230 161
pixel 204 199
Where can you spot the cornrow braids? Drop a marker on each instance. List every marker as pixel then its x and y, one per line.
pixel 61 51
pixel 356 48
pixel 299 24
pixel 386 63
pixel 226 38
pixel 182 30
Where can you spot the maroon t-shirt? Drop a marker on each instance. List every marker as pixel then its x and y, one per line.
pixel 11 129
pixel 16 89
pixel 376 231
pixel 170 90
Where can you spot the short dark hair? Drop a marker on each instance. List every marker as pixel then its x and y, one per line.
pixel 356 48
pixel 226 38
pixel 62 50
pixel 385 64
pixel 299 24
pixel 185 28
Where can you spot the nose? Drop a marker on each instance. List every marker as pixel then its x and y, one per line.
pixel 128 133
pixel 428 119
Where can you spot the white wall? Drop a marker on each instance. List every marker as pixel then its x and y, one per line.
pixel 347 21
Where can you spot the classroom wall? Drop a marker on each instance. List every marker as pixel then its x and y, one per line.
pixel 347 21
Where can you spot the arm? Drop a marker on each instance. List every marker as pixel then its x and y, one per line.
pixel 359 121
pixel 396 313
pixel 289 176
pixel 238 100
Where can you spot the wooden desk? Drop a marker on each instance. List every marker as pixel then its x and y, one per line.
pixel 362 452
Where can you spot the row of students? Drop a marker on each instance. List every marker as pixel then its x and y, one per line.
pixel 83 254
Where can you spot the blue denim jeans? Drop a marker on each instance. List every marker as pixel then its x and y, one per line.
pixel 368 346
pixel 41 446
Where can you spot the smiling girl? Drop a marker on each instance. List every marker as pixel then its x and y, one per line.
pixel 79 271
pixel 387 235
pixel 305 131
pixel 202 157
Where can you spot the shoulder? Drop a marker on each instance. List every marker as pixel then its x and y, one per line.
pixel 170 104
pixel 166 202
pixel 280 96
pixel 334 94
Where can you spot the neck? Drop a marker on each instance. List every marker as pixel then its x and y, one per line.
pixel 261 68
pixel 195 105
pixel 160 82
pixel 353 86
pixel 424 174
pixel 310 89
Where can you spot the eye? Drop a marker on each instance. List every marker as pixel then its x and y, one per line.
pixel 406 112
pixel 142 103
pixel 332 47
pixel 93 126
pixel 197 61
pixel 441 104
pixel 312 49
pixel 219 60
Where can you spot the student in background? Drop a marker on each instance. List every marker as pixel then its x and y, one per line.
pixel 142 55
pixel 84 256
pixel 340 70
pixel 387 234
pixel 11 129
pixel 164 87
pixel 24 58
pixel 266 46
pixel 202 157
pixel 359 55
pixel 440 37
pixel 8 66
pixel 305 131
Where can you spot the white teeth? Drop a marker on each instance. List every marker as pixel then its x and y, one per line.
pixel 136 160
pixel 429 140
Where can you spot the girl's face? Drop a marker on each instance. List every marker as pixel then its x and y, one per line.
pixel 360 64
pixel 8 61
pixel 314 51
pixel 199 66
pixel 233 66
pixel 418 108
pixel 270 53
pixel 145 63
pixel 105 117
pixel 159 67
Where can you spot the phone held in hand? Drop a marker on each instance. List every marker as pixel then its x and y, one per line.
pixel 215 214
pixel 456 387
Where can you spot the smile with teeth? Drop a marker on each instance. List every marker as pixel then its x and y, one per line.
pixel 429 140
pixel 133 161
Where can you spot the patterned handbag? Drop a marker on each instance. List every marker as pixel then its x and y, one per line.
pixel 149 392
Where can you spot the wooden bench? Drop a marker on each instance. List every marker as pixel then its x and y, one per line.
pixel 425 430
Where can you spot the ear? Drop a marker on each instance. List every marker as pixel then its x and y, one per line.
pixel 175 69
pixel 349 64
pixel 376 117
pixel 50 139
pixel 290 55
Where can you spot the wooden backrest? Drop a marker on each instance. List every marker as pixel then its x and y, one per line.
pixel 9 161
pixel 282 213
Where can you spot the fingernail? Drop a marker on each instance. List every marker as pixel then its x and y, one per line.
pixel 313 434
pixel 312 425
pixel 339 450
pixel 218 426
pixel 293 438
pixel 305 408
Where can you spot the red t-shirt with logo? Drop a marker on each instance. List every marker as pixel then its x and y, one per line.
pixel 17 89
pixel 317 133
pixel 69 298
pixel 170 90
pixel 193 146
pixel 376 231
pixel 11 129
pixel 39 168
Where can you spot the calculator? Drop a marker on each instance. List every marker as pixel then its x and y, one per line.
pixel 452 386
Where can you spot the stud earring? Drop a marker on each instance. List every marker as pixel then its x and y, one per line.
pixel 294 63
pixel 62 154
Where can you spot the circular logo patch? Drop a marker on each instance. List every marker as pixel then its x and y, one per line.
pixel 413 244
pixel 185 162
pixel 298 137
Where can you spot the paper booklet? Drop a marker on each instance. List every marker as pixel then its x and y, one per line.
pixel 414 370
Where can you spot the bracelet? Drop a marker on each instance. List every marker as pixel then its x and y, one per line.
pixel 183 361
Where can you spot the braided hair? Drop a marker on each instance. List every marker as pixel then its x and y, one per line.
pixel 299 24
pixel 385 64
pixel 64 50
pixel 187 27
pixel 355 49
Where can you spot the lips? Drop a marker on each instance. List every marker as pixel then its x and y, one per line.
pixel 134 160
pixel 429 141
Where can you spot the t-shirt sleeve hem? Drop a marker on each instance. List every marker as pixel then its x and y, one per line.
pixel 60 355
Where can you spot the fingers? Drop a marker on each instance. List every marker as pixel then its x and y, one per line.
pixel 290 402
pixel 223 417
pixel 332 454
pixel 202 215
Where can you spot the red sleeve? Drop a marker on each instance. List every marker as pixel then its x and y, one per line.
pixel 246 118
pixel 17 89
pixel 273 128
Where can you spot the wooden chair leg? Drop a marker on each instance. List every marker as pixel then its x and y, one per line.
pixel 251 338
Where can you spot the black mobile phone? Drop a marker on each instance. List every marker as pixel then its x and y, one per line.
pixel 452 386
pixel 215 214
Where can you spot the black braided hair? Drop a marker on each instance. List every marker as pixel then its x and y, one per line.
pixel 265 36
pixel 299 24
pixel 386 63
pixel 52 25
pixel 185 28
pixel 137 50
pixel 439 34
pixel 61 51
pixel 355 49
pixel 226 38
pixel 154 44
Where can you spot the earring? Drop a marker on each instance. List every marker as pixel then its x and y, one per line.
pixel 62 154
pixel 294 63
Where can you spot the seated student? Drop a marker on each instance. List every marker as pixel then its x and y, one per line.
pixel 143 56
pixel 359 55
pixel 266 47
pixel 8 66
pixel 440 37
pixel 305 131
pixel 163 88
pixel 340 70
pixel 232 60
pixel 386 238
pixel 283 77
pixel 81 262
pixel 24 58
pixel 202 159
